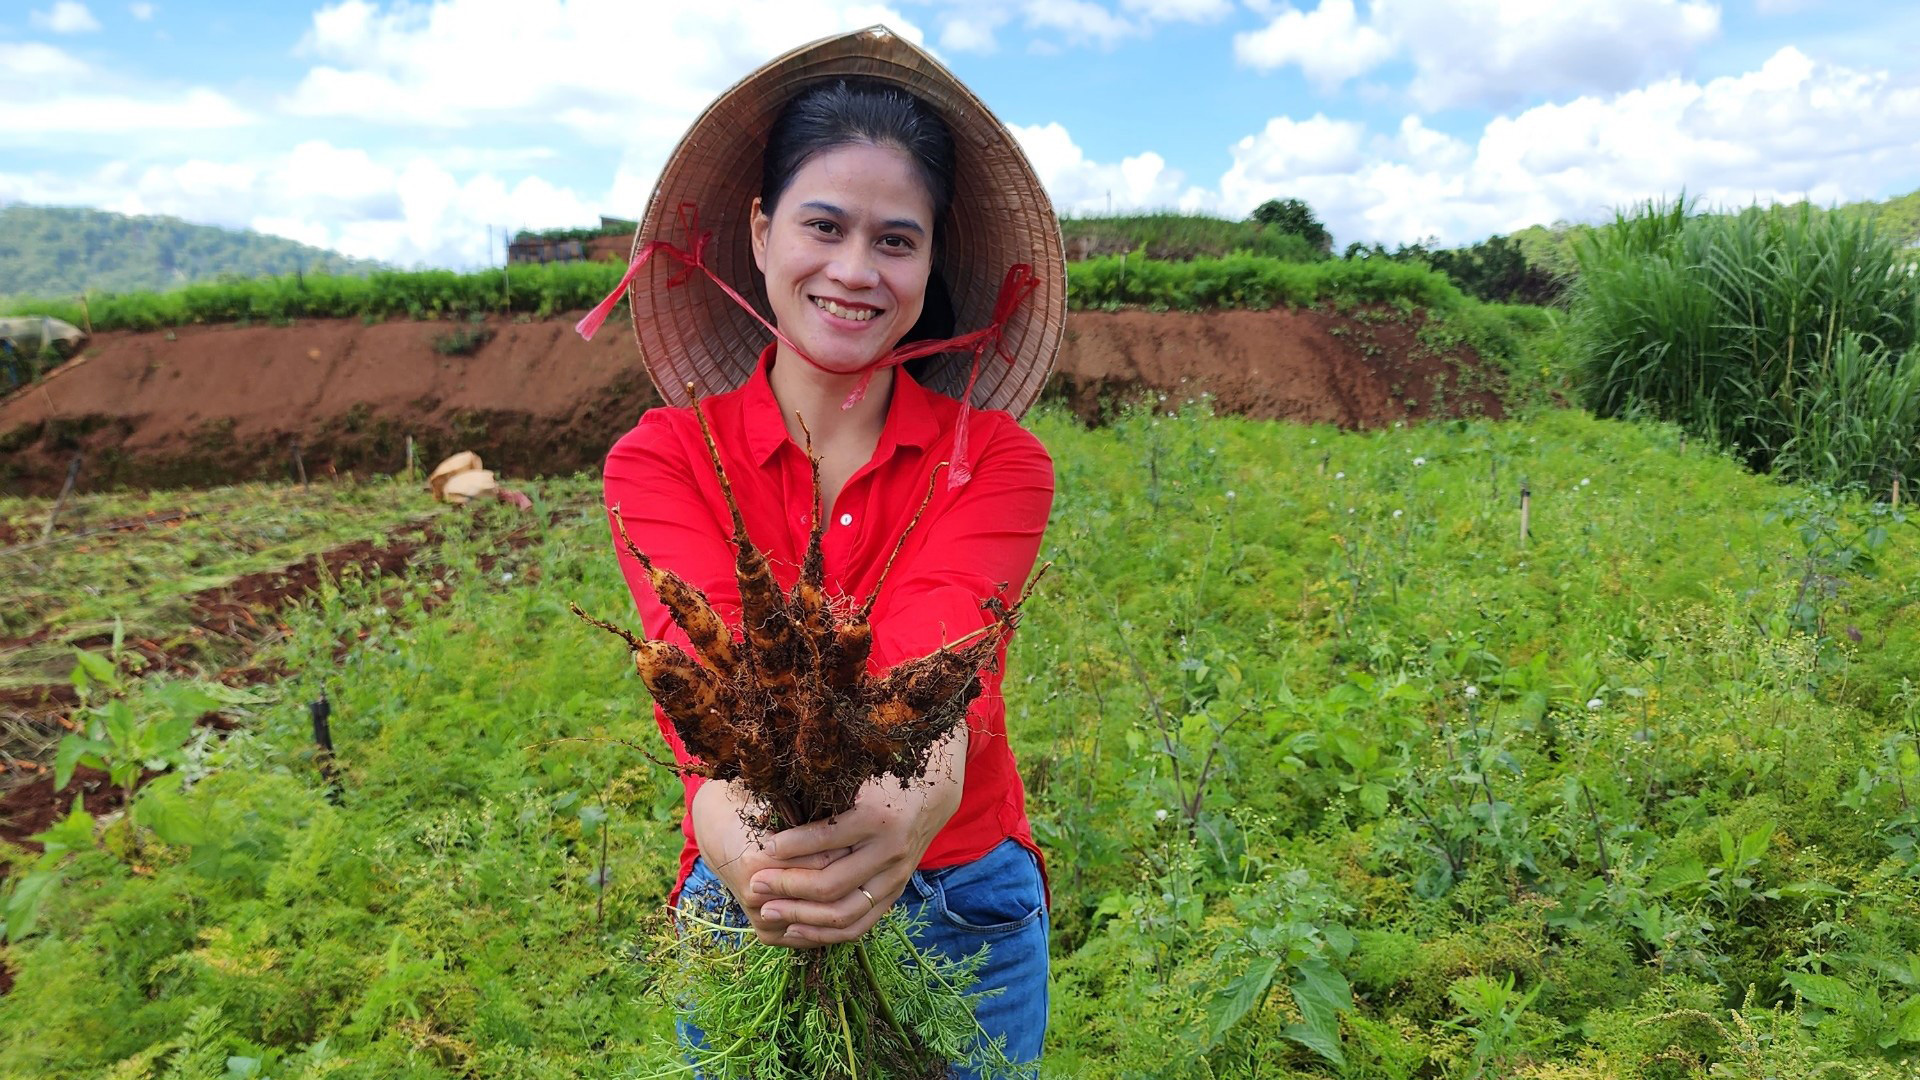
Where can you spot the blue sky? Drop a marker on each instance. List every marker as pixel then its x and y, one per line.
pixel 401 131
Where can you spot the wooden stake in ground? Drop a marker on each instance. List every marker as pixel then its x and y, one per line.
pixel 320 711
pixel 1896 493
pixel 66 489
pixel 299 465
pixel 1526 511
pixel 409 457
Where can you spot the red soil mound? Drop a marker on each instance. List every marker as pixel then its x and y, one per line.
pixel 214 404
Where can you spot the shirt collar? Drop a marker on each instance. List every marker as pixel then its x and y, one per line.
pixel 913 416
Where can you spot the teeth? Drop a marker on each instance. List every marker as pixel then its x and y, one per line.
pixel 857 315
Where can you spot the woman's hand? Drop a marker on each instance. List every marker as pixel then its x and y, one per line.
pixel 870 853
pixel 735 852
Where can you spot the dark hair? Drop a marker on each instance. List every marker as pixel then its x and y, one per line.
pixel 849 112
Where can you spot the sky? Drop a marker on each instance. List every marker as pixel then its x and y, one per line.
pixel 415 131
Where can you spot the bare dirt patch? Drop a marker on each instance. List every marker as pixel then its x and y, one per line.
pixel 1314 367
pixel 216 404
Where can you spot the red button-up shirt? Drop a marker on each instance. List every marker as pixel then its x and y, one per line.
pixel 972 542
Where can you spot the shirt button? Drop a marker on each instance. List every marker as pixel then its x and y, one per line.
pixel 846 519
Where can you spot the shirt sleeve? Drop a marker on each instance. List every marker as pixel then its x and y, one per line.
pixel 982 544
pixel 649 476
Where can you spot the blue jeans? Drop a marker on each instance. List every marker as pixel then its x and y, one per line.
pixel 996 900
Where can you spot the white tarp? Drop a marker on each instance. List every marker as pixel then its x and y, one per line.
pixel 29 334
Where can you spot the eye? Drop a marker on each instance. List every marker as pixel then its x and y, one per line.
pixel 822 226
pixel 896 242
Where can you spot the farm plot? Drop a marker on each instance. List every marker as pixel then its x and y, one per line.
pixel 1337 776
pixel 157 566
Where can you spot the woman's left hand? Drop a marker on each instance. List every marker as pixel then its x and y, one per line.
pixel 889 828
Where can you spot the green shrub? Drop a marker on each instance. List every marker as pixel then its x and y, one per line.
pixel 464 340
pixel 1785 335
pixel 1178 237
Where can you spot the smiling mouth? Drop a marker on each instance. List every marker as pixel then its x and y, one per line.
pixel 855 313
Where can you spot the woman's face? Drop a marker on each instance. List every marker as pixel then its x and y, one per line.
pixel 846 254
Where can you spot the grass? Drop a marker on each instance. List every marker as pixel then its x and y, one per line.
pixel 1337 778
pixel 1175 236
pixel 1790 336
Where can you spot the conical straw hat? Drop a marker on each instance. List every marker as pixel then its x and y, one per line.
pixel 1001 216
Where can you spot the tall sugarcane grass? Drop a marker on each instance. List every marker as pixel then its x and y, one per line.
pixel 1790 336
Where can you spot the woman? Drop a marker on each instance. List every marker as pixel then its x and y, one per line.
pixel 870 226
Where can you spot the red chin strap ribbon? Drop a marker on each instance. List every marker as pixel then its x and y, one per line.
pixel 1019 284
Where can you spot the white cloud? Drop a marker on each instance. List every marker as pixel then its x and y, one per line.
pixel 52 94
pixel 1313 147
pixel 199 109
pixel 1494 53
pixel 971 32
pixel 1328 43
pixel 1079 185
pixel 1791 129
pixel 972 25
pixel 141 11
pixel 1079 20
pixel 405 212
pixel 65 17
pixel 1179 10
pixel 644 73
pixel 33 61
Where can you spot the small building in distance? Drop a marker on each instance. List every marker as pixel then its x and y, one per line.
pixel 611 240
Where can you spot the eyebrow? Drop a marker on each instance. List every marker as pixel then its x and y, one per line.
pixel 894 223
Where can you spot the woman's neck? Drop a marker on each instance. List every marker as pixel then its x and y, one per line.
pixel 816 396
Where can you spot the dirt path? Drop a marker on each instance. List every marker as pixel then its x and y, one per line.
pixel 209 404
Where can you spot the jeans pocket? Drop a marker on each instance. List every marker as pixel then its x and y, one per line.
pixel 705 897
pixel 998 893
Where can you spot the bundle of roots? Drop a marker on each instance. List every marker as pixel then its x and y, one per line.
pixel 790 709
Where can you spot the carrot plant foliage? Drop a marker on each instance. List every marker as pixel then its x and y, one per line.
pixel 1336 776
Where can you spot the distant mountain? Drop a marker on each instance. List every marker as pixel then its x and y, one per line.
pixel 48 251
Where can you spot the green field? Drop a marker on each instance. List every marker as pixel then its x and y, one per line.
pixel 1337 778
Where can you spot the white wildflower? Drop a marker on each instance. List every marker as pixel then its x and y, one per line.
pixel 1397 513
pixel 1471 691
pixel 1339 476
pixel 1419 461
pixel 1595 704
pixel 1159 815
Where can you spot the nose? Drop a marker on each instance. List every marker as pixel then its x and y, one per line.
pixel 854 269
